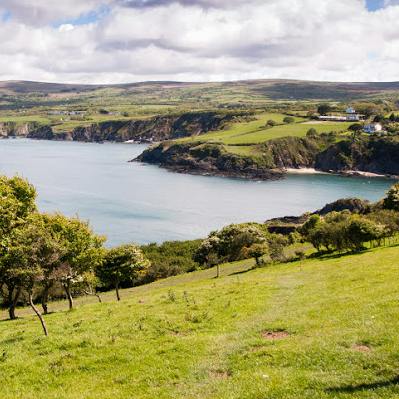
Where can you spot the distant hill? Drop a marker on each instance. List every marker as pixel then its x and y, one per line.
pixel 275 89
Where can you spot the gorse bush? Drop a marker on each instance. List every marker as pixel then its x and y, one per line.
pixel 170 258
pixel 342 231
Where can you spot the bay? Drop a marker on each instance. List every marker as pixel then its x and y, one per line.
pixel 132 202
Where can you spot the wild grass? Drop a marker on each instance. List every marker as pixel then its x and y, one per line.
pixel 320 328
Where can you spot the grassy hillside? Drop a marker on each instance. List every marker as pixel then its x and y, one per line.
pixel 312 329
pixel 256 131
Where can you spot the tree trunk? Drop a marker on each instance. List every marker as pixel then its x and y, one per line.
pixel 38 314
pixel 13 302
pixel 67 288
pixel 45 298
pixel 117 291
pixel 93 293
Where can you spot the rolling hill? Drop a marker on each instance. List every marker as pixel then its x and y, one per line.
pixel 321 328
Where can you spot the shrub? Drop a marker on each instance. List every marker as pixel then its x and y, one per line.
pixel 289 119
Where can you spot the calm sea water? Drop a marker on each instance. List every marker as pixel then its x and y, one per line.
pixel 141 203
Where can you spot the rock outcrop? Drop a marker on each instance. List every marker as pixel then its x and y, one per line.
pixel 13 129
pixel 150 130
pixel 374 155
pixel 214 159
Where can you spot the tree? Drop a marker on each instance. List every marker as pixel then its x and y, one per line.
pixel 361 230
pixel 271 123
pixel 82 252
pixel 17 202
pixel 392 199
pixel 289 119
pixel 257 251
pixel 33 250
pixel 125 263
pixel 324 109
pixel 229 244
pixel 356 127
pixel 311 133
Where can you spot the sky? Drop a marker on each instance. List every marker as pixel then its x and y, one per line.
pixel 118 41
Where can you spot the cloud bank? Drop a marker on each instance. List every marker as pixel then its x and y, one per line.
pixel 113 41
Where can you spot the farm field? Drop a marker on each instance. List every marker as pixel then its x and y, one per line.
pixel 255 132
pixel 321 328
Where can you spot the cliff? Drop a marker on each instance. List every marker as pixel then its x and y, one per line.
pixel 375 155
pixel 214 159
pixel 13 129
pixel 154 129
pixel 370 154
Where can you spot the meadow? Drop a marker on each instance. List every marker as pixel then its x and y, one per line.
pixel 318 328
pixel 256 131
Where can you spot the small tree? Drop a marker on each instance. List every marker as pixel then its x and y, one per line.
pixel 392 199
pixel 324 109
pixel 229 244
pixel 257 251
pixel 17 202
pixel 289 119
pixel 271 123
pixel 125 263
pixel 32 251
pixel 311 133
pixel 82 252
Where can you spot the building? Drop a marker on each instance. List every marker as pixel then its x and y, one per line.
pixel 350 110
pixel 335 118
pixel 373 128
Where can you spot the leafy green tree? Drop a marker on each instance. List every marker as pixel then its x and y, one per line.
pixel 392 199
pixel 311 133
pixel 324 109
pixel 289 119
pixel 125 263
pixel 229 244
pixel 356 127
pixel 271 123
pixel 82 252
pixel 361 230
pixel 33 250
pixel 257 251
pixel 17 202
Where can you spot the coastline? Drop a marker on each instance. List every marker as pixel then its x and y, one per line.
pixel 304 171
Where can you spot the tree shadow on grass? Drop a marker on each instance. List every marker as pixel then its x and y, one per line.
pixel 364 387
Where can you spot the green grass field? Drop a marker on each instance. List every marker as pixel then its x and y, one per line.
pixel 326 328
pixel 255 132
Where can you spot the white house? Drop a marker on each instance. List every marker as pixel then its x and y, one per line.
pixel 350 110
pixel 373 128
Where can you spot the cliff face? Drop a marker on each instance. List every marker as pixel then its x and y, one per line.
pixel 158 128
pixel 375 155
pixel 12 129
pixel 214 159
pixel 207 159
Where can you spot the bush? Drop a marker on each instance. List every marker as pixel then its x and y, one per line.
pixel 341 231
pixel 289 119
pixel 392 199
pixel 271 123
pixel 230 244
pixel 170 258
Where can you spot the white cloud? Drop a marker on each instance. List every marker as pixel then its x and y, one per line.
pixel 198 40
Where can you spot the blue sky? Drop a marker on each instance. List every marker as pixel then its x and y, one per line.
pixel 374 5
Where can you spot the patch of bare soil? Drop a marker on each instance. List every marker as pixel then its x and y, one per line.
pixel 275 335
pixel 221 374
pixel 361 348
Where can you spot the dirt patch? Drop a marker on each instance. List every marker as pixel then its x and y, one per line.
pixel 361 348
pixel 220 374
pixel 275 335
